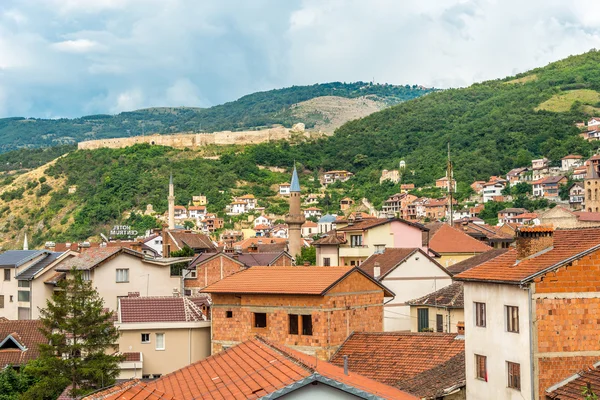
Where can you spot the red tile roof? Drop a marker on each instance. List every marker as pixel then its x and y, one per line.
pixel 369 223
pixel 331 238
pixel 445 239
pixel 27 334
pixel 91 258
pixel 439 381
pixel 130 390
pixel 248 259
pixel 450 296
pixel 394 357
pixel 571 388
pixel 474 261
pixel 192 240
pixel 585 216
pixel 390 259
pixel 132 356
pixel 257 368
pixel 568 244
pixel 162 309
pixel 286 280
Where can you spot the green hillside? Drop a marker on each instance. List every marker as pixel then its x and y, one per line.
pixel 251 111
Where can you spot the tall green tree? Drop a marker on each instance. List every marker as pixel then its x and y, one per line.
pixel 80 335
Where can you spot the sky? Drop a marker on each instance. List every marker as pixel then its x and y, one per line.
pixel 68 58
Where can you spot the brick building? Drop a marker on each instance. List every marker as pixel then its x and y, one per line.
pixel 311 309
pixel 532 314
pixel 209 268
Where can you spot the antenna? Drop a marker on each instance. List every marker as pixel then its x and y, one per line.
pixel 450 180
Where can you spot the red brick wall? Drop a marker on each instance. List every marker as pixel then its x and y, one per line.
pixel 283 261
pixel 209 272
pixel 567 325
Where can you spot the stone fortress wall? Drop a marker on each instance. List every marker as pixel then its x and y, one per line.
pixel 194 140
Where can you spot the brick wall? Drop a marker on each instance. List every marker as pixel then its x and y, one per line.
pixel 212 271
pixel 529 243
pixel 567 320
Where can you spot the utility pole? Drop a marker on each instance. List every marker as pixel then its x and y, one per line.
pixel 450 180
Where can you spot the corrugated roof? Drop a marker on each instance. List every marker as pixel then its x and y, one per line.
pixel 30 272
pixel 15 258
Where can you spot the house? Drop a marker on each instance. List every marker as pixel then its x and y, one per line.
pixel 206 269
pixel 442 183
pixel 517 302
pixel 197 212
pixel 539 163
pixel 312 199
pixel 390 175
pixel 493 236
pixel 397 204
pixel 570 162
pixel 474 261
pixel 262 230
pixel 284 189
pixel 477 186
pixel 280 231
pixel 335 176
pixel 516 175
pixel 199 200
pixel 451 244
pixel 436 209
pixel 428 365
pixel 237 207
pixel 363 237
pixel 408 272
pixel 23 290
pixel 493 189
pixel 256 369
pixel 174 240
pixel 579 173
pixel 212 223
pixel 153 245
pixel 19 342
pixel 327 223
pixel 309 229
pixel 507 214
pixel 439 311
pixel 262 220
pixel 560 217
pixel 261 245
pixel 577 196
pixel 407 186
pixel 346 203
pixel 312 212
pixel 116 272
pixel 327 248
pixel 159 335
pixel 593 123
pixel 549 187
pixel 311 309
pixel 249 199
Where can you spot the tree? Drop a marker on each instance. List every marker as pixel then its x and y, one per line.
pixel 307 254
pixel 188 225
pixel 187 251
pixel 13 383
pixel 79 332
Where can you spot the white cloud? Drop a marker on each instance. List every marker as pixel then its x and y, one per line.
pixel 77 46
pixel 128 100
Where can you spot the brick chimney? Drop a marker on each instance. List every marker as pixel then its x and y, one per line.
pixel 533 239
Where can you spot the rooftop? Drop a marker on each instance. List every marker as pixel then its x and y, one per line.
pixel 91 258
pixel 248 259
pixel 30 272
pixel 19 341
pixel 474 261
pixel 287 280
pixel 331 238
pixel 447 297
pixel 396 357
pixel 369 223
pixel 571 388
pixel 191 239
pixel 445 239
pixel 162 309
pixel 16 258
pixel 390 259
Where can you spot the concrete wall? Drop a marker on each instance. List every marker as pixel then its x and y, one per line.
pixel 185 343
pixel 494 342
pixel 414 278
pixel 10 288
pixel 330 252
pixel 191 140
pixel 451 318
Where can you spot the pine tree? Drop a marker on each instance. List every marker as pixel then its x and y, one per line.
pixel 80 334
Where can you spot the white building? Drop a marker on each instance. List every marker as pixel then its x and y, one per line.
pixel 571 161
pixel 262 220
pixel 312 212
pixel 197 212
pixel 284 189
pixel 492 189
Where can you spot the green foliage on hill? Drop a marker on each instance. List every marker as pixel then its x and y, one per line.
pixel 31 158
pixel 254 110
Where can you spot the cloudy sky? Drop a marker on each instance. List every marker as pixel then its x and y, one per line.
pixel 66 58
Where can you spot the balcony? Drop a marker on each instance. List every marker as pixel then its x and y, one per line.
pixel 355 251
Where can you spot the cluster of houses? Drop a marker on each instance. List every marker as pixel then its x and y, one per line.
pixel 393 309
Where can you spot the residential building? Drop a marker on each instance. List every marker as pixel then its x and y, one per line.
pixel 570 162
pixel 250 201
pixel 346 203
pixel 19 342
pixel 428 365
pixel 212 223
pixel 442 183
pixel 493 236
pixel 284 189
pixel 159 335
pixel 593 123
pixel 174 240
pixel 262 230
pixel 407 186
pixel 364 237
pixel 517 175
pixel 562 218
pixel 199 200
pixel 439 311
pixel 262 245
pixel 327 249
pixel 335 176
pixel 197 212
pixel 409 273
pixel 310 229
pixel 116 272
pixel 577 196
pixel 208 268
pixel 436 209
pixel 477 186
pixel 390 175
pixel 327 223
pixel 539 163
pixel 262 220
pixel 237 207
pixel 153 245
pixel 397 205
pixel 592 188
pixel 517 302
pixel 256 369
pixel 549 187
pixel 579 173
pixel 312 212
pixel 180 212
pixel 311 309
pixel 451 244
pixel 23 290
pixel 507 214
pixel 493 189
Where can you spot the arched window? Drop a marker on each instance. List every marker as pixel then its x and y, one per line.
pixel 589 194
pixel 595 194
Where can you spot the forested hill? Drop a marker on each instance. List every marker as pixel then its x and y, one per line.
pixel 251 111
pixel 492 127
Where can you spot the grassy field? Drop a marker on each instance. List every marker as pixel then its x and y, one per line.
pixel 563 101
pixel 524 79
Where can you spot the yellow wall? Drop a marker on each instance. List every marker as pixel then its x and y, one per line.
pixel 451 318
pixel 448 259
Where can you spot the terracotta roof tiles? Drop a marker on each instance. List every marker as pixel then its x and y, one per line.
pixel 27 334
pixel 450 296
pixel 162 309
pixel 572 387
pixel 445 239
pixel 474 261
pixel 130 390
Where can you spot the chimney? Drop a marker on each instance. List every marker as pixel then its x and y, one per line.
pixel 133 294
pixel 460 327
pixel 306 264
pixel 376 270
pixel 533 239
pixel 346 365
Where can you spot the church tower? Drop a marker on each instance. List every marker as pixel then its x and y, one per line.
pixel 592 189
pixel 171 198
pixel 295 218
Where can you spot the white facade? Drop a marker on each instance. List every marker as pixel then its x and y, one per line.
pixel 284 189
pixel 413 278
pixel 155 243
pixel 492 190
pixel 495 342
pixel 238 207
pixel 312 212
pixel 197 212
pixel 569 163
pixel 262 220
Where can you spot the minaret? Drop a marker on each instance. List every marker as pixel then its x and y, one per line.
pixel 25 244
pixel 295 218
pixel 171 216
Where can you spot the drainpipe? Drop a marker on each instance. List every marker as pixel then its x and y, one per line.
pixel 189 345
pixel 531 358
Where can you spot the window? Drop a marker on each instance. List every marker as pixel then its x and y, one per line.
pixel 481 367
pixel 422 319
pixel 7 274
pixel 23 295
pixel 85 275
pixel 307 325
pixel 145 376
pixel 293 324
pixel 439 323
pixel 123 275
pixel 260 320
pixel 23 283
pixel 355 240
pixel 145 338
pixel 160 341
pixel 2 301
pixel 514 375
pixel 512 319
pixel 228 314
pixel 326 262
pixel 24 313
pixel 479 314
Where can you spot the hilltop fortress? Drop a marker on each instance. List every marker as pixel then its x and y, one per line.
pixel 194 140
